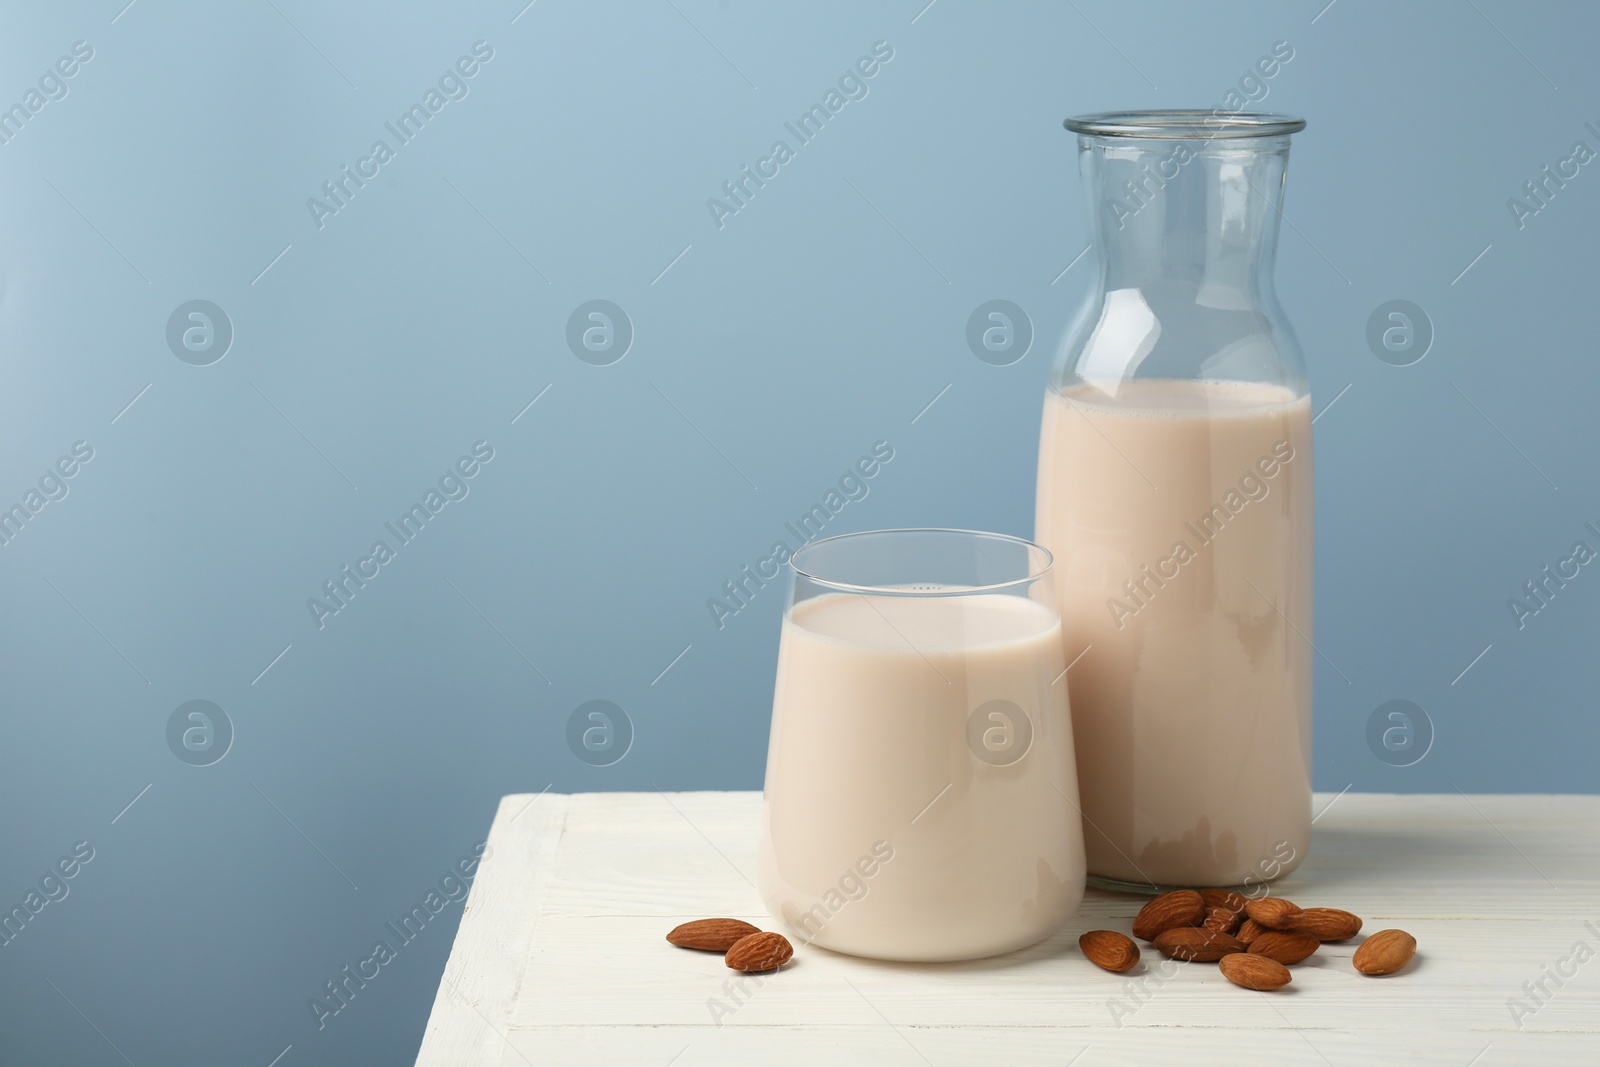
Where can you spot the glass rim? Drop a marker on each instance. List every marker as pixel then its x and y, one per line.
pixel 1185 123
pixel 1035 553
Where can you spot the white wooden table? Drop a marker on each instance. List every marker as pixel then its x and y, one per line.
pixel 560 958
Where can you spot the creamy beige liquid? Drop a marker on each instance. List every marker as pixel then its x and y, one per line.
pixel 1192 707
pixel 885 833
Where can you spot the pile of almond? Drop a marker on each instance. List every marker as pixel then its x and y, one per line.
pixel 744 947
pixel 1251 941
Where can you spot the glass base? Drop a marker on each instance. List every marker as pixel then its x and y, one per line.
pixel 1117 885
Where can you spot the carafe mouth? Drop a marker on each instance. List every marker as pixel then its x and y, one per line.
pixel 1185 124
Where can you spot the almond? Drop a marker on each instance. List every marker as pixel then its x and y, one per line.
pixel 1274 913
pixel 1181 907
pixel 1223 920
pixel 1327 924
pixel 1196 945
pixel 758 952
pixel 1224 898
pixel 1284 946
pixel 1253 971
pixel 1109 950
pixel 1384 952
pixel 712 935
pixel 1249 930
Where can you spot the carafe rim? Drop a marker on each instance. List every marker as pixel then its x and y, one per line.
pixel 1185 124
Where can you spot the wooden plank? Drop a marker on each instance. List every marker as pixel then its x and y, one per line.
pixel 881 1045
pixel 478 991
pixel 561 959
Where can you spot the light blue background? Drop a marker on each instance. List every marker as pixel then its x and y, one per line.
pixel 822 318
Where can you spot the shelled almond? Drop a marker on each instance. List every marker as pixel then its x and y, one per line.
pixel 1223 920
pixel 711 935
pixel 1285 946
pixel 1109 950
pixel 1181 907
pixel 1327 924
pixel 1249 930
pixel 759 952
pixel 1224 898
pixel 1274 913
pixel 1196 944
pixel 1253 972
pixel 1384 952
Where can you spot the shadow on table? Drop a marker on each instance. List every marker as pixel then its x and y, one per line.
pixel 1100 910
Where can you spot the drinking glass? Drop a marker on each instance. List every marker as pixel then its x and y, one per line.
pixel 921 792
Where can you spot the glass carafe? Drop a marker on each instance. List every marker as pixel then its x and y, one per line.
pixel 1175 490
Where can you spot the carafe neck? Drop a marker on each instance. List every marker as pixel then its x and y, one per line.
pixel 1186 218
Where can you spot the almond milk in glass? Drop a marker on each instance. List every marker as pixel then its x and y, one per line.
pixel 1175 490
pixel 921 793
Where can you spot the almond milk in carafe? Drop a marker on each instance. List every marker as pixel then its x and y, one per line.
pixel 1175 490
